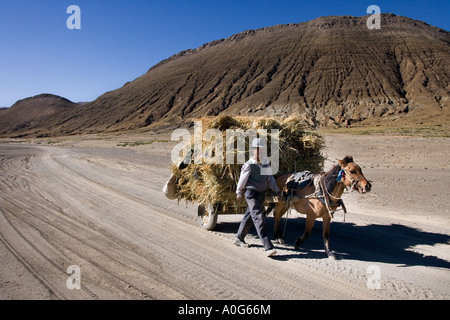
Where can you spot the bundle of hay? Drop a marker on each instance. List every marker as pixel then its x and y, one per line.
pixel 216 183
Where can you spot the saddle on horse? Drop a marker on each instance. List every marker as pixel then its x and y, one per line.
pixel 300 180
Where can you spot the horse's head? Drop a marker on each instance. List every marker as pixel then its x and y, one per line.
pixel 352 175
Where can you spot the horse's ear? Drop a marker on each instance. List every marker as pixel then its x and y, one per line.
pixel 342 163
pixel 345 161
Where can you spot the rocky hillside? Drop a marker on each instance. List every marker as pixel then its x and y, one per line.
pixel 31 111
pixel 334 71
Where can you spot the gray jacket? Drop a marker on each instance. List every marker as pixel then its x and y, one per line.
pixel 251 178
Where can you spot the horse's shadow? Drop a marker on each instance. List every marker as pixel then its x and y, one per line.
pixel 373 243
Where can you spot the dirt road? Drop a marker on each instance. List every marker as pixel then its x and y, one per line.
pixel 102 210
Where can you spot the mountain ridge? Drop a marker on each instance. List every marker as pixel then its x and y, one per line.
pixel 31 110
pixel 333 71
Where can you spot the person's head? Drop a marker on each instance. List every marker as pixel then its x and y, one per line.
pixel 257 145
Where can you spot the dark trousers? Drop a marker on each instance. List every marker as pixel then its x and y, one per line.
pixel 254 215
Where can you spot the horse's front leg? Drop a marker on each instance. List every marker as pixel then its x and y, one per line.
pixel 326 237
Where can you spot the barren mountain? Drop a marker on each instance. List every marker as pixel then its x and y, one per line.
pixel 30 111
pixel 332 70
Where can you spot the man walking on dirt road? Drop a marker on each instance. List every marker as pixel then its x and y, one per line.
pixel 253 184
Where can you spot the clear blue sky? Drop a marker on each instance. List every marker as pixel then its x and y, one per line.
pixel 120 40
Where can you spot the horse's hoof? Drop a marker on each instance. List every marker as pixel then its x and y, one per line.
pixel 280 241
pixel 331 256
pixel 297 244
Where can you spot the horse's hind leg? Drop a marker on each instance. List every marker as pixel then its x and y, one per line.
pixel 326 237
pixel 310 218
pixel 280 210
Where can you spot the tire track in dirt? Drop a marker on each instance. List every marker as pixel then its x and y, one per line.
pixel 359 274
pixel 162 211
pixel 64 208
pixel 189 256
pixel 20 257
pixel 61 223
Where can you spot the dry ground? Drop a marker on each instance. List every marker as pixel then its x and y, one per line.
pixel 96 202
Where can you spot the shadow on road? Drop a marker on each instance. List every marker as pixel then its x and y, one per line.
pixel 375 243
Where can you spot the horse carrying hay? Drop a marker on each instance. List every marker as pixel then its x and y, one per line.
pixel 213 185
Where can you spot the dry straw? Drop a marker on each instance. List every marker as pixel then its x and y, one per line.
pixel 216 183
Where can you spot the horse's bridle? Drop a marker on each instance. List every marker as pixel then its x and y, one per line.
pixel 353 182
